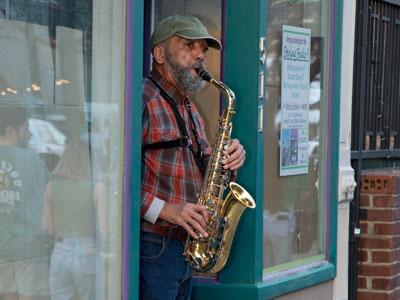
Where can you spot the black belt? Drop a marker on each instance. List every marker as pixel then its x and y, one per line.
pixel 174 233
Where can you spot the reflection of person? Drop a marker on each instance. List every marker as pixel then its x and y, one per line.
pixel 23 177
pixel 171 177
pixel 71 203
pixel 278 233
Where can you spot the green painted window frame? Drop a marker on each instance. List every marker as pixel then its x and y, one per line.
pixel 133 72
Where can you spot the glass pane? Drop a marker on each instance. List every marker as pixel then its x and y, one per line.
pixel 294 205
pixel 61 70
pixel 209 13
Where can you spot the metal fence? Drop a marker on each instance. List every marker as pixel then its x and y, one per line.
pixel 376 101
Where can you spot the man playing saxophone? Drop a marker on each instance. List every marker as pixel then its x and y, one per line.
pixel 174 153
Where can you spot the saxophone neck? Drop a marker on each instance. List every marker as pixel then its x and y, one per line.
pixel 228 94
pixel 222 87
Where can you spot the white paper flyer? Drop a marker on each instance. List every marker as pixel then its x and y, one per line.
pixel 295 89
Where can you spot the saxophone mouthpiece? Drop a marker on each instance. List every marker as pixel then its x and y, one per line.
pixel 203 74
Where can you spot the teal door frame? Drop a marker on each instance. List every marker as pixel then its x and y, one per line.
pixel 132 148
pixel 245 25
pixel 242 276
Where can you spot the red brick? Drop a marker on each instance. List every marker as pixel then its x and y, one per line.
pixel 396 228
pixel 375 270
pixel 385 256
pixel 375 243
pixel 365 201
pixel 395 200
pixel 362 256
pixel 386 284
pixel 376 184
pixel 364 227
pixel 396 184
pixel 396 242
pixel 383 228
pixel 383 201
pixel 395 255
pixel 386 228
pixel 381 256
pixel 361 282
pixel 382 215
pixel 372 296
pixel 383 181
pixel 395 295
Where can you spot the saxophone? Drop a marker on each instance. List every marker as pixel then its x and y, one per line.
pixel 210 254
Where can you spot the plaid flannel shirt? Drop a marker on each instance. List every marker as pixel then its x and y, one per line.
pixel 169 174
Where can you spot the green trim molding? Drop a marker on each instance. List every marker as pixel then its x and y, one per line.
pixel 136 30
pixel 264 290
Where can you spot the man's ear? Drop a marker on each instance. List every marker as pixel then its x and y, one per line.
pixel 159 54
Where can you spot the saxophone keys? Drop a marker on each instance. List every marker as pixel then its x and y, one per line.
pixel 210 203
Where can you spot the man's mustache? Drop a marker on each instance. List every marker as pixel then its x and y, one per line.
pixel 198 65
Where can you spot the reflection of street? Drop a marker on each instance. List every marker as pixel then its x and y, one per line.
pixel 290 147
pixel 47 141
pixel 293 152
pixel 279 230
pixel 285 153
pixel 46 138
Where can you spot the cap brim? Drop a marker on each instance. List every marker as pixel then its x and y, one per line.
pixel 192 35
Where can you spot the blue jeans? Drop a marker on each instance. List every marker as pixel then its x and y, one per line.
pixel 164 273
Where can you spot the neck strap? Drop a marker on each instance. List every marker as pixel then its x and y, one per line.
pixel 185 140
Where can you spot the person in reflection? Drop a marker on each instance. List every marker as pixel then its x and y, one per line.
pixel 75 211
pixel 23 176
pixel 171 175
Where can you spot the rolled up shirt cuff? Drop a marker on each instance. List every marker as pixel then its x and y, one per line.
pixel 154 210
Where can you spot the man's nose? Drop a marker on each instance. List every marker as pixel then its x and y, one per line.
pixel 199 53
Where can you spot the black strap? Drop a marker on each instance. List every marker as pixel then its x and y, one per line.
pixel 185 140
pixel 181 142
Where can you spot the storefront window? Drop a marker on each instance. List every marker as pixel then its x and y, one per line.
pixel 294 204
pixel 61 102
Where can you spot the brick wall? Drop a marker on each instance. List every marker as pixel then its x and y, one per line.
pixel 379 243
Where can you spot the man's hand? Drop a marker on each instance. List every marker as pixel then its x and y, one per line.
pixel 186 215
pixel 235 155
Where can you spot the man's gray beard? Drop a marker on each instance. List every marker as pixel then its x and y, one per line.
pixel 183 76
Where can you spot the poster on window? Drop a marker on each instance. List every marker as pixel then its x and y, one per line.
pixel 295 88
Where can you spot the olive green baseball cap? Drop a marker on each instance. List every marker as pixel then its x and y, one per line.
pixel 187 27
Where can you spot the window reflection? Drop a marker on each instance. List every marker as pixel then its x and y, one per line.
pixel 62 65
pixel 75 213
pixel 24 247
pixel 293 205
